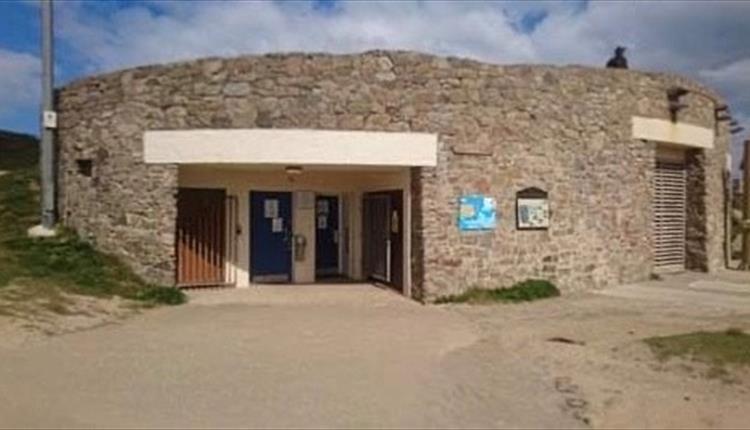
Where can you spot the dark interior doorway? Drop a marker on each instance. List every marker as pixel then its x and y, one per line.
pixel 382 237
pixel 327 236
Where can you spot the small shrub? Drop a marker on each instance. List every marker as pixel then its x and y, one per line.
pixel 526 291
pixel 734 331
pixel 162 295
pixel 731 346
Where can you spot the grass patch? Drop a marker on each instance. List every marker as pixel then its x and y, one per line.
pixel 167 296
pixel 717 349
pixel 526 291
pixel 64 263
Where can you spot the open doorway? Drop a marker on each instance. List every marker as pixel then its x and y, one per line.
pixel 327 237
pixel 382 237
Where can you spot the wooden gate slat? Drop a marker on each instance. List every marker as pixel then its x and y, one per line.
pixel 200 237
pixel 669 215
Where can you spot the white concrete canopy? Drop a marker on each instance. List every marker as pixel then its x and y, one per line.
pixel 678 133
pixel 290 147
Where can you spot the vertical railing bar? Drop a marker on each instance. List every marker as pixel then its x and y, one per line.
pixel 217 247
pixel 204 247
pixel 210 226
pixel 199 247
pixel 178 247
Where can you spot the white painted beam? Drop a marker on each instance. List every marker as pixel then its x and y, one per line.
pixel 679 133
pixel 290 147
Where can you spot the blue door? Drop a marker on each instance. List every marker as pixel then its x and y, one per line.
pixel 271 236
pixel 326 235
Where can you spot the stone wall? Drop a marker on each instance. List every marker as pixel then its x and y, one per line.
pixel 695 233
pixel 566 130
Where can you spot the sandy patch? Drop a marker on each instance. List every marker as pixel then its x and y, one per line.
pixel 609 378
pixel 361 357
pixel 33 320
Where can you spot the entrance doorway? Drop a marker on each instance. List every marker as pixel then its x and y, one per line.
pixel 270 236
pixel 382 237
pixel 201 237
pixel 327 236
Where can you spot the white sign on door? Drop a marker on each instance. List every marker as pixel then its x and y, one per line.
pixel 277 225
pixel 271 208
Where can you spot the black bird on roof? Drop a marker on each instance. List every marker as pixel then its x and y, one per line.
pixel 618 61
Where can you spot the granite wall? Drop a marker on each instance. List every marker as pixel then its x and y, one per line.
pixel 566 130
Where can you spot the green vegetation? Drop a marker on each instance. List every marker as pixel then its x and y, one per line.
pixel 43 269
pixel 526 291
pixel 717 349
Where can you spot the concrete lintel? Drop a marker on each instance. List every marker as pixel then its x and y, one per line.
pixel 678 133
pixel 290 147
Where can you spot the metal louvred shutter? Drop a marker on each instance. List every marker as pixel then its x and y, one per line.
pixel 669 188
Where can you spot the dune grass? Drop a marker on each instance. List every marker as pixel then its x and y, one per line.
pixel 43 268
pixel 720 350
pixel 731 346
pixel 526 291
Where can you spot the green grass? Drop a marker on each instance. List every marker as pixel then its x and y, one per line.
pixel 526 291
pixel 717 349
pixel 45 267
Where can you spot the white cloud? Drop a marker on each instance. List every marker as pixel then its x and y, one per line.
pixel 734 75
pixel 137 35
pixel 677 36
pixel 19 80
pixel 680 36
pixel 706 40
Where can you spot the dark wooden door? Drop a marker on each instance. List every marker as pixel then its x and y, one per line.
pixel 382 237
pixel 375 237
pixel 396 228
pixel 201 237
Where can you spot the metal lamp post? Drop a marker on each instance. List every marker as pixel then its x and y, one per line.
pixel 48 125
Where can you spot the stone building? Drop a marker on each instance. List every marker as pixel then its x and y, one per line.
pixel 430 174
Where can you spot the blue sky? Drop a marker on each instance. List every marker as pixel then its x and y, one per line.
pixel 705 40
pixel 19 31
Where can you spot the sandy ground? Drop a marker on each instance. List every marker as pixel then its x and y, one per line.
pixel 612 379
pixel 358 356
pixel 25 322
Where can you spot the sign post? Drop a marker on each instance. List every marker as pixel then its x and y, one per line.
pixel 745 264
pixel 48 123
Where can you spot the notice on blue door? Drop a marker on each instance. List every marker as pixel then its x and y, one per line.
pixel 271 208
pixel 476 212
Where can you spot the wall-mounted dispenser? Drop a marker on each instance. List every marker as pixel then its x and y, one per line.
pixel 300 247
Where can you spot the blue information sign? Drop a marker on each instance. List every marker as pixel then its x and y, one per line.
pixel 476 212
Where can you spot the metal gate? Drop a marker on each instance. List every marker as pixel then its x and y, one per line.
pixel 669 191
pixel 205 237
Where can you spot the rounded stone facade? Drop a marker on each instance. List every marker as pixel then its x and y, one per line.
pixel 566 130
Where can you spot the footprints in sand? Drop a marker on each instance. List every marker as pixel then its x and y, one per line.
pixel 574 401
